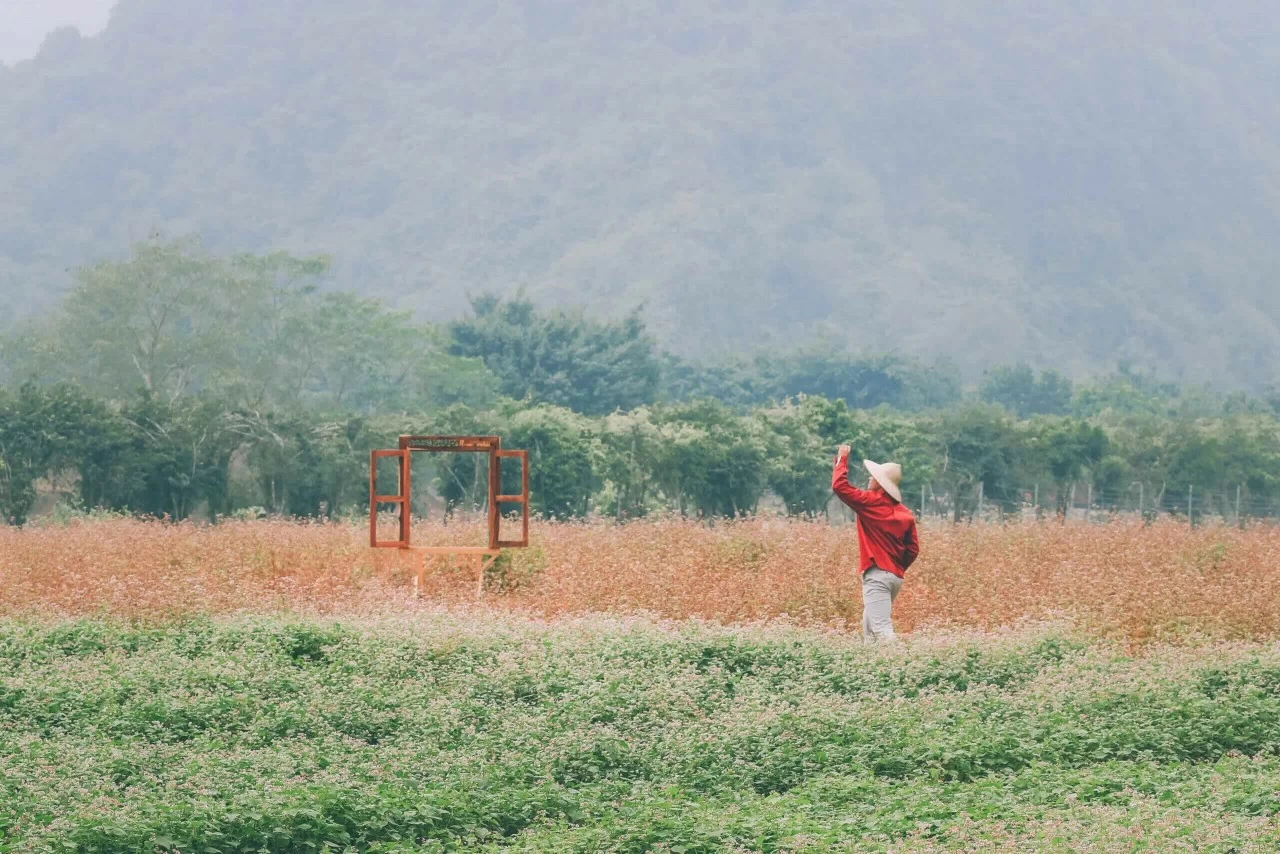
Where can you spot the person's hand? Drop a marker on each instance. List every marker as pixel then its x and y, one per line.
pixel 842 452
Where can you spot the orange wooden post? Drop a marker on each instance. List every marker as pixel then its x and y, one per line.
pixel 522 499
pixel 401 498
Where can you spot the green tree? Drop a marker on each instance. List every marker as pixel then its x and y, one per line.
pixel 184 449
pixel 1253 462
pixel 833 422
pixel 977 445
pixel 172 321
pixel 632 446
pixel 737 382
pixel 159 322
pixel 462 480
pixel 45 431
pixel 1126 391
pixel 255 331
pixel 563 457
pixel 305 466
pixel 798 461
pixel 711 460
pixel 863 382
pixel 271 333
pixel 908 441
pixel 1211 458
pixel 565 360
pixel 439 379
pixel 1025 394
pixel 1065 449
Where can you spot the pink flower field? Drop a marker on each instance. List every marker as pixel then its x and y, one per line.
pixel 1132 582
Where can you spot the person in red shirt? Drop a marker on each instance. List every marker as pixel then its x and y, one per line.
pixel 888 542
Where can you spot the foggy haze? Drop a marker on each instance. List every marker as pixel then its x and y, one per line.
pixel 1076 185
pixel 25 23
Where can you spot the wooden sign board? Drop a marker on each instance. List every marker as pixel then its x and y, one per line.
pixel 451 444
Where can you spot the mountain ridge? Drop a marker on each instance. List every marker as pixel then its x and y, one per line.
pixel 982 182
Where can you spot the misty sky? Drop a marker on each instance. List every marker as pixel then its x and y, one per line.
pixel 25 23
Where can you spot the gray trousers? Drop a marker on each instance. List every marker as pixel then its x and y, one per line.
pixel 879 589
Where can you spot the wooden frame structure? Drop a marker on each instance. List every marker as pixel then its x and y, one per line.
pixel 484 555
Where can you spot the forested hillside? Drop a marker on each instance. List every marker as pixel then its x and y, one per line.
pixel 1069 184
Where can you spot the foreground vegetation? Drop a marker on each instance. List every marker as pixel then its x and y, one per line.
pixel 450 731
pixel 274 686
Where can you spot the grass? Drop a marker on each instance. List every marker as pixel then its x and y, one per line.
pixel 452 730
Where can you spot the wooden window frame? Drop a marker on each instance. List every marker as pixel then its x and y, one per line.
pixel 492 445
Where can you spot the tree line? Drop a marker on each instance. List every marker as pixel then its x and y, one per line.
pixel 175 383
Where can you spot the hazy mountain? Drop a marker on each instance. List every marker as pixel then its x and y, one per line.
pixel 1070 183
pixel 28 22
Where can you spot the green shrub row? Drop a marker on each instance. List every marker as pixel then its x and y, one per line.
pixel 290 735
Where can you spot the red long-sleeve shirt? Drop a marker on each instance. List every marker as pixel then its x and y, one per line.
pixel 887 536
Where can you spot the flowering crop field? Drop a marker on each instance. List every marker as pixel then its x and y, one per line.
pixel 661 686
pixel 1120 581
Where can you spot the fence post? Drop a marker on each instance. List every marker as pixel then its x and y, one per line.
pixel 1191 499
pixel 1071 502
pixel 1088 502
pixel 1037 502
pixel 922 501
pixel 981 496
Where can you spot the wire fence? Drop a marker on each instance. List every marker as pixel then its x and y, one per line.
pixel 1082 501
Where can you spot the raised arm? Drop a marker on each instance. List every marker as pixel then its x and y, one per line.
pixel 848 493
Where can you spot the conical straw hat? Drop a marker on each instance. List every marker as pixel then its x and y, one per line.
pixel 888 475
